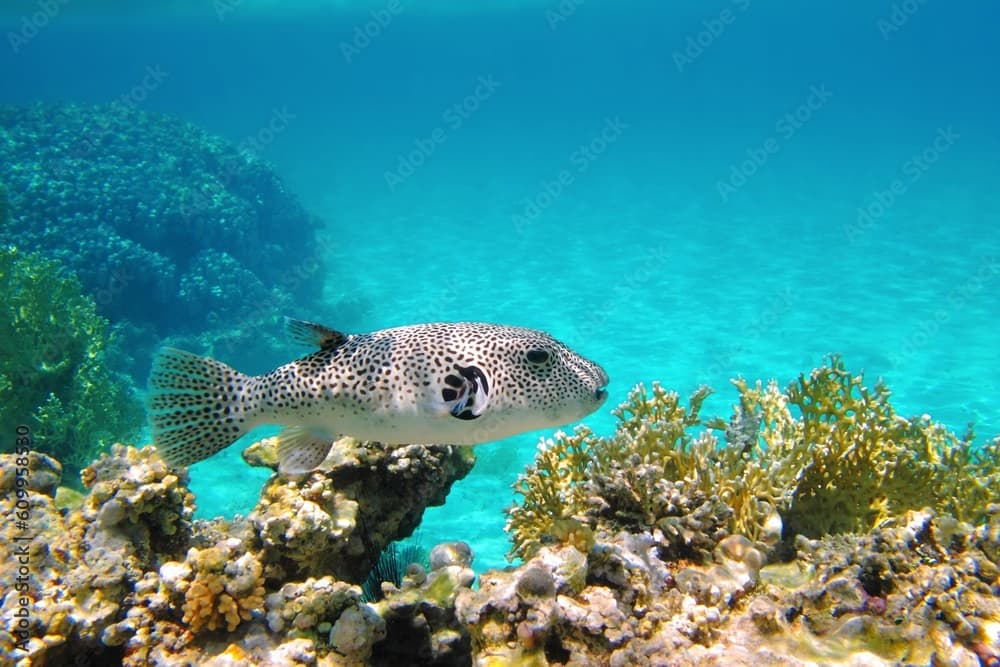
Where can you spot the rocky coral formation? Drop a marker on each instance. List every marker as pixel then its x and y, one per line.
pixel 55 352
pixel 365 495
pixel 922 589
pixel 162 222
pixel 126 576
pixel 618 604
pixel 84 566
pixel 638 569
pixel 421 625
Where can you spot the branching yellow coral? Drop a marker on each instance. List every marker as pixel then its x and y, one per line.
pixel 652 433
pixel 551 489
pixel 844 463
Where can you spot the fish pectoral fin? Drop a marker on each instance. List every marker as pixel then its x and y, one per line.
pixel 302 449
pixel 314 335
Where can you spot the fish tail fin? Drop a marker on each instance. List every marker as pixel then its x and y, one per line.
pixel 196 406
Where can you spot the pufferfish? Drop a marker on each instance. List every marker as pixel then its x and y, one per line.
pixel 460 383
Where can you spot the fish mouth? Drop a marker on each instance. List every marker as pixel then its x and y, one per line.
pixel 601 393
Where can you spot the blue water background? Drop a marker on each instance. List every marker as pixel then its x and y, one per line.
pixel 683 194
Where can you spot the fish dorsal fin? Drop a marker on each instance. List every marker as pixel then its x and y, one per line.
pixel 301 449
pixel 314 335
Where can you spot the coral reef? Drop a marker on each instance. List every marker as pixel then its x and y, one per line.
pixel 638 562
pixel 126 575
pixel 393 564
pixel 164 224
pixel 651 475
pixel 846 463
pixel 55 352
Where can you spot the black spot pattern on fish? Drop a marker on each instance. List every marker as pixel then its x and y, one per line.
pixel 200 406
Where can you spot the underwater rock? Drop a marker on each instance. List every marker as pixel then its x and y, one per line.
pixel 127 577
pixel 421 626
pixel 337 520
pixel 39 473
pixel 918 587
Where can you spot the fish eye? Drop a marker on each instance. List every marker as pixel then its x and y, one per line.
pixel 538 356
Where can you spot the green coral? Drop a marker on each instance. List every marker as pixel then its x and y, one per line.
pixel 53 372
pixel 5 214
pixel 828 455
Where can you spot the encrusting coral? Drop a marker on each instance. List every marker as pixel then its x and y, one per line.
pixel 54 365
pixel 127 577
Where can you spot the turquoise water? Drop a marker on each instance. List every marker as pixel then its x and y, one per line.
pixel 682 195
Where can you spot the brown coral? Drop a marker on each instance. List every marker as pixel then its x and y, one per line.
pixel 220 589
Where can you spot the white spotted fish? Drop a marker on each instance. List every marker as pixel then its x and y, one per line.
pixel 459 383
